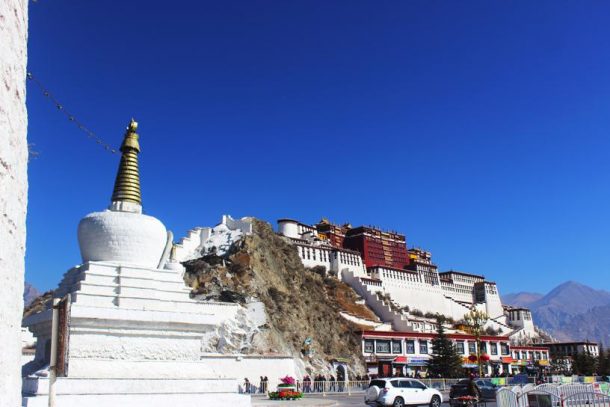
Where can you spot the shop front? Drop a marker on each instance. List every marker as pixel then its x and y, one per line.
pixel 400 366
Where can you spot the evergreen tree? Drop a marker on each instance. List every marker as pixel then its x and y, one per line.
pixel 602 362
pixel 445 361
pixel 584 364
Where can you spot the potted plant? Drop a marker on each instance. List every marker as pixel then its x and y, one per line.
pixel 286 390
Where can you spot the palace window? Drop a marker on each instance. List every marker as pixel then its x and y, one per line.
pixel 383 347
pixel 423 347
pixel 504 348
pixel 494 348
pixel 397 347
pixel 472 347
pixel 369 346
pixel 410 347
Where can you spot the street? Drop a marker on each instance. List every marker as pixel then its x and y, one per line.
pixel 328 401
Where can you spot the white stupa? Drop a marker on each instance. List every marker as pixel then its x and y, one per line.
pixel 131 335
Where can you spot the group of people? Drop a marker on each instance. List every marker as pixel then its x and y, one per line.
pixel 318 384
pixel 253 389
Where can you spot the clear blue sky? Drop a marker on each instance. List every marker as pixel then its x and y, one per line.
pixel 479 129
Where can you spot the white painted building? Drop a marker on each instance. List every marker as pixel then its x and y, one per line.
pixel 409 352
pixel 419 287
pixel 315 251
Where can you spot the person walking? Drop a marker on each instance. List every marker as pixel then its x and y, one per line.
pixel 332 383
pixel 247 385
pixel 307 384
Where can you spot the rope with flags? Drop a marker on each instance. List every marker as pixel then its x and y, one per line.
pixel 90 134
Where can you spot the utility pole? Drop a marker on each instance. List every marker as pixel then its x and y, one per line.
pixel 53 363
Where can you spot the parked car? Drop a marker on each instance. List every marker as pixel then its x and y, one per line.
pixel 460 389
pixel 520 379
pixel 399 391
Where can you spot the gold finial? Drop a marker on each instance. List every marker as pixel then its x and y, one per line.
pixel 127 183
pixel 133 125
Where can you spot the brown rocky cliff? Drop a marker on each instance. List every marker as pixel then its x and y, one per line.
pixel 299 303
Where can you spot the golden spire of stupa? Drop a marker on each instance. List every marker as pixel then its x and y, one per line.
pixel 127 183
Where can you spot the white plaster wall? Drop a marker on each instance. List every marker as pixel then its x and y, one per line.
pixel 352 262
pixel 13 192
pixel 493 305
pixel 289 229
pixel 253 367
pixel 243 224
pixel 318 260
pixel 122 237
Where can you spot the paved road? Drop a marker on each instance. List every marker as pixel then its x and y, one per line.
pixel 328 401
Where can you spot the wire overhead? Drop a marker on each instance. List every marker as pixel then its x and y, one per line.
pixel 90 134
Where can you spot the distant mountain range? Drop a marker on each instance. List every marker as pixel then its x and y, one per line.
pixel 571 311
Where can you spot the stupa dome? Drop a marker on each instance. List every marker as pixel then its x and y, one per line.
pixel 122 237
pixel 122 234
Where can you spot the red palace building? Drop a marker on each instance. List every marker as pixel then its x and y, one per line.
pixel 335 234
pixel 377 247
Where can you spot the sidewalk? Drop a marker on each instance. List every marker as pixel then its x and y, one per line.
pixel 263 401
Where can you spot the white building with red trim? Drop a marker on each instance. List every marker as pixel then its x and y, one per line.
pixel 409 352
pixel 529 357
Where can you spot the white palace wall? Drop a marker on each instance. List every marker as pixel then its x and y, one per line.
pixel 13 192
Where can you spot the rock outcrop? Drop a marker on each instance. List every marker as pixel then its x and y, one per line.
pixel 299 303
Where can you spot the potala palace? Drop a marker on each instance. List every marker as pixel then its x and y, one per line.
pixel 403 285
pixel 127 331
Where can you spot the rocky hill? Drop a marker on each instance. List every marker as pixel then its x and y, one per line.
pixel 571 311
pixel 300 303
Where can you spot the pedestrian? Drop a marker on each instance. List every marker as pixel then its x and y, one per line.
pixel 333 383
pixel 247 385
pixel 307 384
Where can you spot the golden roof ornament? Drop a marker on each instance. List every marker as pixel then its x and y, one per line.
pixel 127 183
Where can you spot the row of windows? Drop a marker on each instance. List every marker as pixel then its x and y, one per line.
pixel 530 355
pixel 399 275
pixel 394 346
pixel 312 254
pixel 516 315
pixel 308 253
pixel 456 289
pixel 347 258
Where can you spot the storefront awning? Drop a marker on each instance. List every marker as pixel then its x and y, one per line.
pixel 400 360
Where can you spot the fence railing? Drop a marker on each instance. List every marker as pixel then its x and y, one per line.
pixel 555 395
pixel 569 385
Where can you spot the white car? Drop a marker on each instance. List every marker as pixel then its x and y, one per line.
pixel 399 392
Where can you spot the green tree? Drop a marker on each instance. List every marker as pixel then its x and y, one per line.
pixel 584 364
pixel 602 362
pixel 475 320
pixel 445 360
